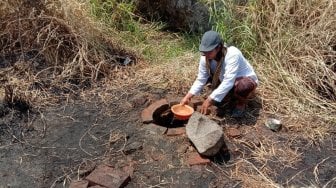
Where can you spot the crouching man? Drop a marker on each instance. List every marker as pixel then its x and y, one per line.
pixel 230 75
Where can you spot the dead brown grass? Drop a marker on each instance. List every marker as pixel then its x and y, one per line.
pixel 295 62
pixel 296 65
pixel 50 50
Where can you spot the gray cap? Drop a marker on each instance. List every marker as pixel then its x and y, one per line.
pixel 210 41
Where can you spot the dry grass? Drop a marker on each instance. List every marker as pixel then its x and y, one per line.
pixel 56 51
pixel 296 62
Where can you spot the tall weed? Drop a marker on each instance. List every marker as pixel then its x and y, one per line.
pixel 233 22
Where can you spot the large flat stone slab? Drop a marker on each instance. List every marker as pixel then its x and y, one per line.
pixel 206 135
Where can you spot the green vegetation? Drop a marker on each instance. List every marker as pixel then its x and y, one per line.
pixel 119 15
pixel 234 23
pixel 139 33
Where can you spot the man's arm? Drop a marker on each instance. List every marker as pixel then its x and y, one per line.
pixel 201 79
pixel 186 99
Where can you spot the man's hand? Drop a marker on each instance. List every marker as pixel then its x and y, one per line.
pixel 186 99
pixel 206 104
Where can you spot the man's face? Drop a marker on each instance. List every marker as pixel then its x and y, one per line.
pixel 211 54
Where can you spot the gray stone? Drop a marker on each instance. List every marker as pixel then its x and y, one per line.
pixel 273 124
pixel 206 135
pixel 132 147
pixel 155 129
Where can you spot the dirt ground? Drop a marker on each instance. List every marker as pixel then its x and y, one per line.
pixel 49 148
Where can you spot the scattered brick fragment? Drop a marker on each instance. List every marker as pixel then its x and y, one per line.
pixel 196 159
pixel 79 184
pixel 233 133
pixel 109 177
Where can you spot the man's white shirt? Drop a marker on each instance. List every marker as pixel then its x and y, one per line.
pixel 235 65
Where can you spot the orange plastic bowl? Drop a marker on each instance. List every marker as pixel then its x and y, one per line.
pixel 182 112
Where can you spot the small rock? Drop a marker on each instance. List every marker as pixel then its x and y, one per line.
pixel 79 184
pixel 157 156
pixel 176 131
pixel 273 124
pixel 138 100
pixel 132 147
pixel 233 133
pixel 196 159
pixel 108 177
pixel 182 148
pixel 147 113
pixel 206 135
pixel 155 129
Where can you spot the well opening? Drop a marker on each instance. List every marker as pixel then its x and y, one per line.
pixel 163 116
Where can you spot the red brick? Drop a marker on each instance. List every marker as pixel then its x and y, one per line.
pixel 147 113
pixel 233 133
pixel 97 186
pixel 196 159
pixel 79 184
pixel 176 131
pixel 108 177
